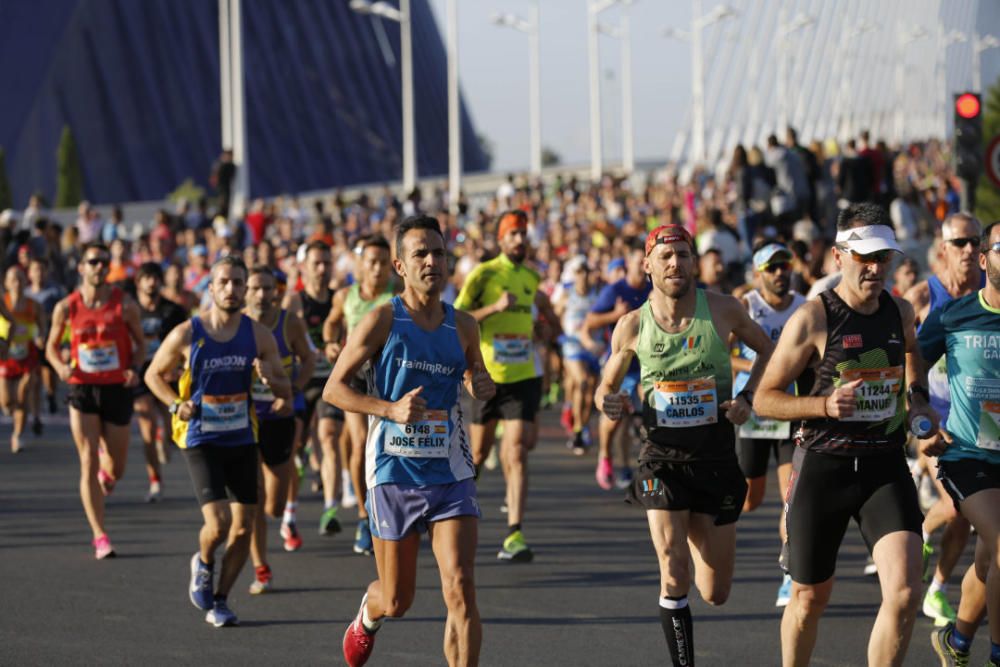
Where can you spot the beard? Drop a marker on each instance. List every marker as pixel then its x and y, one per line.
pixel 677 291
pixel 993 275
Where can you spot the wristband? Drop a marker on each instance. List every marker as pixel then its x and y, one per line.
pixel 918 389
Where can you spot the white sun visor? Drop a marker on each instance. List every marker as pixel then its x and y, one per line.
pixel 869 239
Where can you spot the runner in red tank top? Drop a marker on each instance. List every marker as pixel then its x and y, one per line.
pixel 23 335
pixel 106 345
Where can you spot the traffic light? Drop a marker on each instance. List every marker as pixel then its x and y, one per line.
pixel 968 135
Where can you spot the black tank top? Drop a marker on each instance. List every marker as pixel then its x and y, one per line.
pixel 871 347
pixel 315 313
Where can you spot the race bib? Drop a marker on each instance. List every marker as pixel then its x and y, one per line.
pixel 426 439
pixel 224 413
pixel 685 403
pixel 875 399
pixel 261 392
pixel 98 357
pixel 765 429
pixel 989 426
pixel 511 349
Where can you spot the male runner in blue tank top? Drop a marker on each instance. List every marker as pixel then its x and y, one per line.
pixel 854 354
pixel 967 330
pixel 215 424
pixel 959 275
pixel 418 462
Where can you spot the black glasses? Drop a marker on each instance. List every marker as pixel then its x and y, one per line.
pixel 964 241
pixel 97 261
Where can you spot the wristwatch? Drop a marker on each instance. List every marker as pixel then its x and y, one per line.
pixel 747 396
pixel 174 406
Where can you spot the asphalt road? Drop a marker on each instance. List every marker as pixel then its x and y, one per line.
pixel 589 598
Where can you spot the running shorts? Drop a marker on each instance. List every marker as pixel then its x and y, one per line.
pixel 396 510
pixel 221 472
pixel 111 402
pixel 716 488
pixel 754 453
pixel 313 394
pixel 276 437
pixel 826 491
pixel 965 477
pixel 513 401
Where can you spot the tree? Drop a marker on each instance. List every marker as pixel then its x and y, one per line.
pixel 6 200
pixel 550 158
pixel 69 174
pixel 987 194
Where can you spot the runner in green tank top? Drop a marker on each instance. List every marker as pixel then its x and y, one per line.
pixel 371 289
pixel 688 481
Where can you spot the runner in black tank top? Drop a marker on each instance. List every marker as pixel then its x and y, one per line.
pixel 855 349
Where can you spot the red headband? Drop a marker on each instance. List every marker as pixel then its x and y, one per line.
pixel 667 234
pixel 510 222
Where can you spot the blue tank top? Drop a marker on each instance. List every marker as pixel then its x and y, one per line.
pixel 262 395
pixel 435 450
pixel 218 379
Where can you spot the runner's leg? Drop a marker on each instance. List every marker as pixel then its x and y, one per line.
pixel 454 544
pixel 237 546
pixel 668 530
pixel 899 553
pixel 86 429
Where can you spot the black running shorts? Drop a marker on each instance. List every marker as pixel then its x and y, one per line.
pixel 223 472
pixel 513 401
pixel 966 477
pixel 716 488
pixel 313 393
pixel 276 437
pixel 754 453
pixel 826 491
pixel 111 402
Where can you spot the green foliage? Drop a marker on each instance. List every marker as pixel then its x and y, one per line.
pixel 987 193
pixel 187 190
pixel 6 200
pixel 69 175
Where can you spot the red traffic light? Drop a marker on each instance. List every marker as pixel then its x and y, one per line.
pixel 967 105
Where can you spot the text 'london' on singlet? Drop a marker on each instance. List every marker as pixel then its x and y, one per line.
pixel 436 449
pixel 685 377
pixel 871 348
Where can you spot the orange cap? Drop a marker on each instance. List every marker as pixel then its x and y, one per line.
pixel 510 221
pixel 667 234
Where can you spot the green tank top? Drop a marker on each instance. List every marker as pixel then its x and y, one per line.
pixel 685 377
pixel 355 307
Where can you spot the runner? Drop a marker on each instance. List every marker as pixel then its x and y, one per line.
pixel 350 305
pixel 581 353
pixel 960 276
pixel 276 416
pixel 500 294
pixel 312 305
pixel 24 337
pixel 158 317
pixel 855 342
pixel 106 347
pixel 688 479
pixel 46 293
pixel 418 465
pixel 215 425
pixel 613 303
pixel 770 304
pixel 966 332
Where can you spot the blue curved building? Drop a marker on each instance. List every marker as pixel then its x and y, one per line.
pixel 138 85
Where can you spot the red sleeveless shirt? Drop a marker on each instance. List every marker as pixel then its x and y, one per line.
pixel 101 346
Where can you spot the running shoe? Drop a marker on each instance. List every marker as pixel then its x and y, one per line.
pixel 870 568
pixel 347 497
pixel 363 539
pixel 103 548
pixel 155 494
pixel 200 589
pixel 36 426
pixel 784 592
pixel 358 642
pixel 289 533
pixel 328 523
pixel 936 606
pixel 587 439
pixel 605 474
pixel 624 478
pixel 493 460
pixel 15 445
pixel 221 616
pixel 262 580
pixel 927 551
pixel 566 418
pixel 53 407
pixel 950 656
pixel 515 550
pixel 106 481
pixel 576 445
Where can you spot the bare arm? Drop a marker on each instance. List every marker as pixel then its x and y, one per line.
pixel 130 313
pixel 300 347
pixel 171 354
pixel 796 348
pixel 362 345
pixel 52 351
pixel 268 364
pixel 600 320
pixel 919 296
pixel 477 381
pixel 548 314
pixel 292 303
pixel 916 369
pixel 623 340
pixel 740 365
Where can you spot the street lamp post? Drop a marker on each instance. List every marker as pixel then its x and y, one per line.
pixel 945 40
pixel 233 98
pixel 454 111
pixel 402 17
pixel 905 38
pixel 530 28
pixel 785 31
pixel 621 32
pixel 980 44
pixel 595 7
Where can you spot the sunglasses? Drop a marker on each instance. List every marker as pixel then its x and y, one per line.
pixel 877 257
pixel 772 268
pixel 96 261
pixel 964 241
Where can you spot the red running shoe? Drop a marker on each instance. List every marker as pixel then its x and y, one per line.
pixel 566 418
pixel 291 536
pixel 358 643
